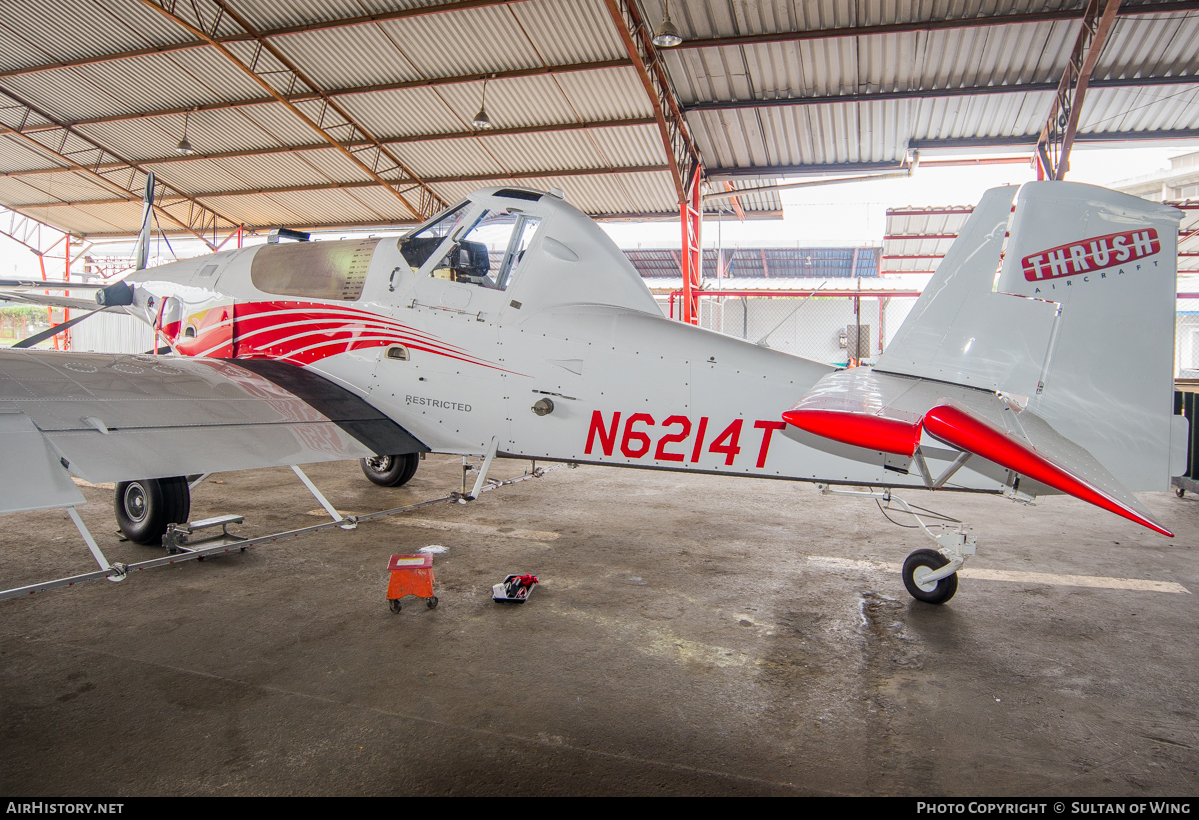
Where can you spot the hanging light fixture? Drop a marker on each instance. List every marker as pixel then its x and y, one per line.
pixel 481 121
pixel 184 147
pixel 667 35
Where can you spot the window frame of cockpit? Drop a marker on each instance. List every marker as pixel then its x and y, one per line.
pixel 479 211
pixel 464 206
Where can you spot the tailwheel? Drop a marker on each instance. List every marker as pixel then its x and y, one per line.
pixel 918 566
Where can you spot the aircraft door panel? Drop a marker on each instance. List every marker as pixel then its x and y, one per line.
pixel 445 381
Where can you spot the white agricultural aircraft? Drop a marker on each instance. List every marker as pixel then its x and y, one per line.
pixel 1038 360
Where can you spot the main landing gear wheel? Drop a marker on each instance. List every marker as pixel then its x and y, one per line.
pixel 145 507
pixel 391 471
pixel 924 562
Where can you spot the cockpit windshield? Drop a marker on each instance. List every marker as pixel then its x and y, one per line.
pixel 491 250
pixel 418 247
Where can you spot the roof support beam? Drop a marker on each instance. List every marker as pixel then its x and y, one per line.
pixel 400 14
pixel 272 71
pixel 83 154
pixel 1057 135
pixel 376 225
pixel 681 153
pixel 36 236
pixel 324 146
pixel 929 25
pixel 1030 140
pixel 514 73
pixel 340 186
pixel 933 93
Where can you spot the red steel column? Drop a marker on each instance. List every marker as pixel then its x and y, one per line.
pixel 66 313
pixel 691 216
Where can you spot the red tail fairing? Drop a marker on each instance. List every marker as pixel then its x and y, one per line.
pixel 868 431
pixel 966 432
pixel 885 413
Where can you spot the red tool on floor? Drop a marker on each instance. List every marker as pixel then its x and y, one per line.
pixel 410 575
pixel 514 588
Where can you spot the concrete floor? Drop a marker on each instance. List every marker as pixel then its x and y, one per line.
pixel 682 642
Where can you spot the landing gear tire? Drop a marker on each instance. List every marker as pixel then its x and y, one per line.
pixel 924 562
pixel 145 507
pixel 391 471
pixel 1180 491
pixel 394 605
pixel 431 603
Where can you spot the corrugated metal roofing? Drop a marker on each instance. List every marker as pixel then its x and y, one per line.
pixel 465 43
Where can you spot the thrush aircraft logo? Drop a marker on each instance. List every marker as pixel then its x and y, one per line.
pixel 1091 255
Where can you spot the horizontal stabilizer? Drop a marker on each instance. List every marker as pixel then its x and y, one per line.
pixel 960 428
pixel 890 414
pixel 871 432
pixel 854 407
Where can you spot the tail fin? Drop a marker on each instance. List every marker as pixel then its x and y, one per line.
pixel 1078 319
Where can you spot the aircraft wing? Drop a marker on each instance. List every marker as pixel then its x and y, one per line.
pixel 894 414
pixel 116 417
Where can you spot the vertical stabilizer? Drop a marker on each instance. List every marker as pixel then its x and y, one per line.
pixel 960 331
pixel 1109 260
pixel 141 252
pixel 1079 320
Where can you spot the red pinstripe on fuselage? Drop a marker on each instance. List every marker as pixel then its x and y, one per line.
pixel 303 333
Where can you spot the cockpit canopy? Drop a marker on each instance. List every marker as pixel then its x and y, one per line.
pixel 475 244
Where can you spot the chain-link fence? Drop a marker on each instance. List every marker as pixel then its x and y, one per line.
pixel 1186 339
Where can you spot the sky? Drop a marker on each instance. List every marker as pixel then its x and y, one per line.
pixel 844 215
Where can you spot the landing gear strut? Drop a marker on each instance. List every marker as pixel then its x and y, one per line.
pixel 929 575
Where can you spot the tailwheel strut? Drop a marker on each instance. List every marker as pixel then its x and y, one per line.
pixel 930 575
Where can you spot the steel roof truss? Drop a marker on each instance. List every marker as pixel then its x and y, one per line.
pixel 34 235
pixel 280 78
pixel 324 146
pixel 681 153
pixel 1057 135
pixel 90 158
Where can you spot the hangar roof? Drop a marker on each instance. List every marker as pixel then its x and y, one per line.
pixel 338 113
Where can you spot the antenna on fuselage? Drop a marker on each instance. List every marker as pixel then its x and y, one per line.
pixel 141 251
